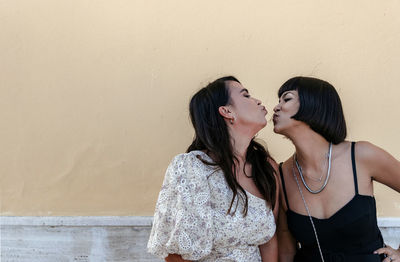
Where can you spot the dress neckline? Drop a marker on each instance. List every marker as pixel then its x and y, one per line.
pixel 340 210
pixel 254 196
pixel 212 161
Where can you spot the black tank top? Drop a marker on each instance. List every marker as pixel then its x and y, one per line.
pixel 351 234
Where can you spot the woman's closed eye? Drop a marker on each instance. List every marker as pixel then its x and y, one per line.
pixel 285 100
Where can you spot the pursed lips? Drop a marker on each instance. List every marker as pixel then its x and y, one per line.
pixel 274 117
pixel 264 109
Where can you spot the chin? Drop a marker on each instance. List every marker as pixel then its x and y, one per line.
pixel 277 130
pixel 263 124
pixel 259 127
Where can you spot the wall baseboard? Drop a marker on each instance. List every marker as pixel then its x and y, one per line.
pixel 97 238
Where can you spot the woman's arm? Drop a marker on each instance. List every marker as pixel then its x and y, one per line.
pixel 278 188
pixel 194 222
pixel 175 258
pixel 287 245
pixel 269 250
pixel 383 167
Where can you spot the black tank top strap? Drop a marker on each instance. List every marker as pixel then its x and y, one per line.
pixel 353 161
pixel 283 185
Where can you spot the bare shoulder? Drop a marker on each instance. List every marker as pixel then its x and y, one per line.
pixel 366 151
pixel 381 165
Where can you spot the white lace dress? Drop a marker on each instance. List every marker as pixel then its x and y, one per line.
pixel 191 216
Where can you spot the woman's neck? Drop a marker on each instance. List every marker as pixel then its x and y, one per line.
pixel 311 149
pixel 240 144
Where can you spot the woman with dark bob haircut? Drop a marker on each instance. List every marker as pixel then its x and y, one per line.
pixel 219 200
pixel 328 209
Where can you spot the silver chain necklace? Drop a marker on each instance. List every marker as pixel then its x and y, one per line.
pixel 308 212
pixel 327 175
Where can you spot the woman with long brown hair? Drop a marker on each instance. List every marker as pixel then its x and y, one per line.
pixel 218 200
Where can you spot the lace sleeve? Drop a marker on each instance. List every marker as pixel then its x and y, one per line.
pixel 183 220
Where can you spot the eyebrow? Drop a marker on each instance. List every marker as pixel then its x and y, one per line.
pixel 244 90
pixel 286 93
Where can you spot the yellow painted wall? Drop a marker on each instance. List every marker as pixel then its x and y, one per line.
pixel 94 94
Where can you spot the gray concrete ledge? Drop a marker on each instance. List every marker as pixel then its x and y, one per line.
pixel 121 221
pixel 389 222
pixel 136 221
pixel 97 238
pixel 72 239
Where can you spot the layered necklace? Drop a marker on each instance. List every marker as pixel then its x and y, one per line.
pixel 327 173
pixel 312 191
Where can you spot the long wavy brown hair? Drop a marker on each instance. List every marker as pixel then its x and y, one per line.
pixel 212 136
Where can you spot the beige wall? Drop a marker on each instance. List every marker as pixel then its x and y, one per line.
pixel 94 94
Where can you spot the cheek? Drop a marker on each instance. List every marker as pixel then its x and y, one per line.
pixel 244 111
pixel 296 108
pixel 250 115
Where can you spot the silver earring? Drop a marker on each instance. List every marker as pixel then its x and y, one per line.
pixel 231 120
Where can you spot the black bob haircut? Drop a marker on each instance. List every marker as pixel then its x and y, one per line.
pixel 320 107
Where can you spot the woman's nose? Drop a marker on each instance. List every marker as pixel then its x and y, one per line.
pixel 276 108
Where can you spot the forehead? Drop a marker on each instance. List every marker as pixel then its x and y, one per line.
pixel 234 86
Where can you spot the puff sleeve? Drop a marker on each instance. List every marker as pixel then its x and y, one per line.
pixel 183 221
